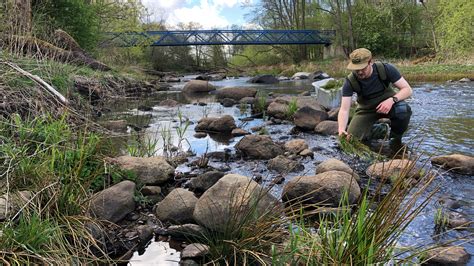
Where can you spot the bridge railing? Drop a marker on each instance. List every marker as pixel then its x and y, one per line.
pixel 218 37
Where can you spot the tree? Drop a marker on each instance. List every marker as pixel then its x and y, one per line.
pixel 454 27
pixel 76 17
pixel 284 14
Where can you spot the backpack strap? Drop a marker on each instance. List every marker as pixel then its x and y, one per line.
pixel 353 82
pixel 381 69
pixel 382 74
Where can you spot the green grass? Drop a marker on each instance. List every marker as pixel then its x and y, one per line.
pixel 292 108
pixel 426 72
pixel 357 148
pixel 59 75
pixel 62 166
pixel 436 72
pixel 333 84
pixel 362 234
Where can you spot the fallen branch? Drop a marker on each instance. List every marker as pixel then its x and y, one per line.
pixel 39 81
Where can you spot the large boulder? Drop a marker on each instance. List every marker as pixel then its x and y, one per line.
pixel 301 75
pixel 296 146
pixel 238 132
pixel 450 255
pixel 198 86
pixel 279 107
pixel 236 93
pixel 195 250
pixel 326 189
pixel 281 164
pixel 318 75
pixel 168 103
pixel 258 147
pixel 456 162
pixel 308 118
pixel 186 231
pixel 335 165
pixel 333 113
pixel 113 203
pixel 225 124
pixel 203 182
pixel 264 79
pixel 327 128
pixel 393 169
pixel 232 201
pixel 116 125
pixel 177 207
pixel 149 171
pixel 301 101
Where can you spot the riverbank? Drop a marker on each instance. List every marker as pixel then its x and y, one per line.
pixel 417 70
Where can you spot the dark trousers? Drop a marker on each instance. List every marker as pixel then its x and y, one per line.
pixel 361 124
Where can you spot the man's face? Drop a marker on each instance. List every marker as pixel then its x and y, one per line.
pixel 365 72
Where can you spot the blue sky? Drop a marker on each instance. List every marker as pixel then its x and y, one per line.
pixel 210 14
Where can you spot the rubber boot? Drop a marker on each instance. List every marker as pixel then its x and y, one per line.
pixel 395 142
pixel 379 131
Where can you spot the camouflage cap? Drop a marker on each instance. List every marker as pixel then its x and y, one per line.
pixel 359 59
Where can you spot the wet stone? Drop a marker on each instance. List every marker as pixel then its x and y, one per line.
pixel 200 135
pixel 307 153
pixel 458 220
pixel 194 250
pixel 451 255
pixel 145 108
pixel 132 216
pixel 185 231
pixel 188 262
pixel 257 178
pixel 151 190
pixel 131 235
pixel 278 180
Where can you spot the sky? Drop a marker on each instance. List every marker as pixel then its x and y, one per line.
pixel 211 14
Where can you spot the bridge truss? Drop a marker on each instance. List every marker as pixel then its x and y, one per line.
pixel 218 37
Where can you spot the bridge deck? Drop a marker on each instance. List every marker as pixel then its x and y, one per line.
pixel 217 37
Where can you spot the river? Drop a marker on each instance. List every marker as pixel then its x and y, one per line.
pixel 442 123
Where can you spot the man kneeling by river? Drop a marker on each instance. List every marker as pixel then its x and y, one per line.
pixel 375 97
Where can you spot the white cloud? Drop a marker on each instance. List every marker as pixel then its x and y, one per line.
pixel 207 13
pixel 228 3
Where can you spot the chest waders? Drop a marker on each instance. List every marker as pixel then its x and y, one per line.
pixel 366 114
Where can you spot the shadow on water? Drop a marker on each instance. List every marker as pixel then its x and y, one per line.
pixel 442 123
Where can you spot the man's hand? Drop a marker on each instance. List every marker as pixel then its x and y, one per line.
pixel 385 106
pixel 344 133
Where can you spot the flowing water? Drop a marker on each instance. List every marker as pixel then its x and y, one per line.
pixel 442 123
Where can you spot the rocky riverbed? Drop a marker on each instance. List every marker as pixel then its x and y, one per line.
pixel 219 141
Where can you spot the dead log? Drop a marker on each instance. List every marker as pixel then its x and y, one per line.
pixel 39 81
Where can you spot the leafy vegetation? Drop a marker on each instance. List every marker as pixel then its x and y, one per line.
pixel 63 166
pixel 333 84
pixel 353 146
pixel 292 108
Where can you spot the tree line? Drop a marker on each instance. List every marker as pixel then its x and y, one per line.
pixel 390 28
